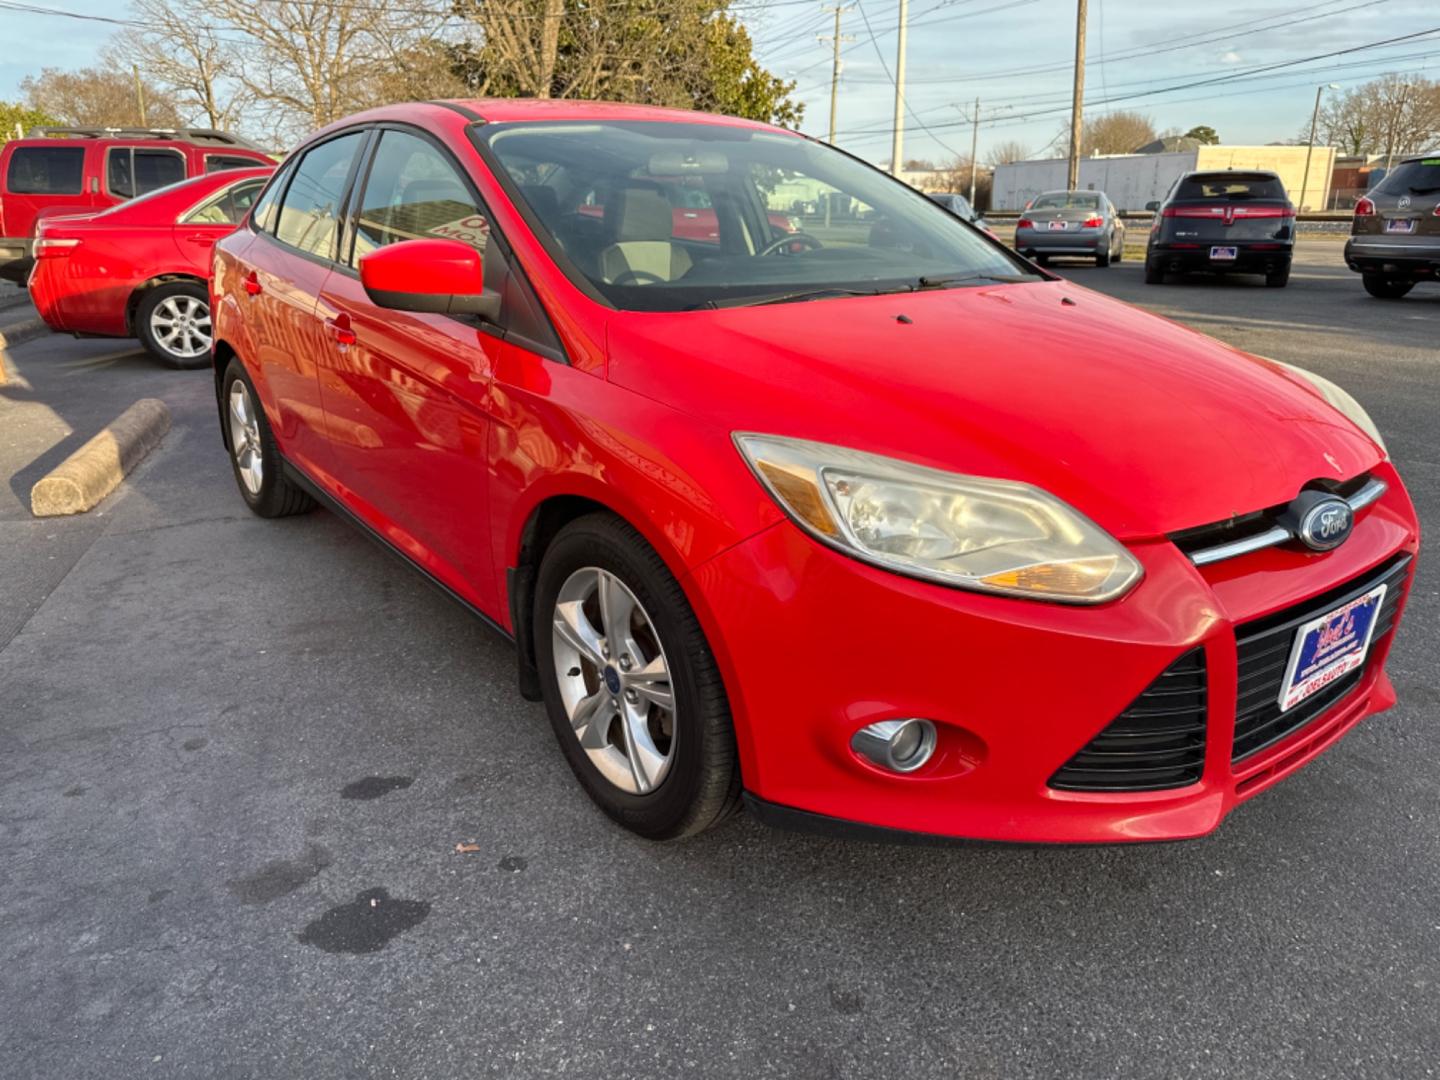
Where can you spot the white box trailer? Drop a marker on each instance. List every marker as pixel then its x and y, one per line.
pixel 1132 180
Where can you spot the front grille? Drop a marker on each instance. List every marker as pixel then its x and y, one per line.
pixel 1157 743
pixel 1263 652
pixel 1202 537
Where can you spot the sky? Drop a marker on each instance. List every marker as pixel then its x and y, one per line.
pixel 1015 55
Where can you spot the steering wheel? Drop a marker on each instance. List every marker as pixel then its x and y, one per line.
pixel 632 277
pixel 781 243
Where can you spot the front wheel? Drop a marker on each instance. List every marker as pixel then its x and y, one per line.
pixel 173 323
pixel 630 684
pixel 253 455
pixel 1386 288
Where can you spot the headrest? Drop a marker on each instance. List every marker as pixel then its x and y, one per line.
pixel 542 200
pixel 638 213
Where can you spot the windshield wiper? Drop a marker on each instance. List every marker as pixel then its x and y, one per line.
pixel 796 297
pixel 961 279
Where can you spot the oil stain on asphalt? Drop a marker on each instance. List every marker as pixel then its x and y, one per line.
pixel 366 924
pixel 281 877
pixel 372 787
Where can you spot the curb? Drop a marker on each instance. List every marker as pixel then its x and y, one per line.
pixel 84 478
pixel 14 333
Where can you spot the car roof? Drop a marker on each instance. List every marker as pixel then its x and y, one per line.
pixel 1234 174
pixel 1431 156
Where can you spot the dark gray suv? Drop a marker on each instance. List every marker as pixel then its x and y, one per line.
pixel 1230 222
pixel 1395 237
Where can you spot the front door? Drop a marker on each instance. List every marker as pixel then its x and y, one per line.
pixel 406 395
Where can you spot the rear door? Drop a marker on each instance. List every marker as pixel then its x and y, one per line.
pixel 198 229
pixel 1229 209
pixel 407 394
pixel 284 271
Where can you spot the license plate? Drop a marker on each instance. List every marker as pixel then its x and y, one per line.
pixel 1224 253
pixel 1330 647
pixel 1400 225
pixel 1058 226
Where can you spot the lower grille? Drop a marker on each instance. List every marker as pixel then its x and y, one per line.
pixel 1157 743
pixel 1263 652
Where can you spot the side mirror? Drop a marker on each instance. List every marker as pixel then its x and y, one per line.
pixel 441 276
pixel 1152 206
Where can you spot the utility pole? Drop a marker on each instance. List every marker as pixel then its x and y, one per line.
pixel 897 145
pixel 1072 175
pixel 139 93
pixel 1395 123
pixel 1314 120
pixel 974 149
pixel 835 65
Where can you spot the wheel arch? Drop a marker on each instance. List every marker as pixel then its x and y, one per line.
pixel 137 294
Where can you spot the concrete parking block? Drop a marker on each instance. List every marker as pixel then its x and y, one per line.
pixel 14 333
pixel 84 478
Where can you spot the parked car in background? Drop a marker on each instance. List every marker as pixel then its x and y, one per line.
pixel 1071 223
pixel 960 207
pixel 142 269
pixel 692 216
pixel 70 170
pixel 1395 235
pixel 744 508
pixel 1226 222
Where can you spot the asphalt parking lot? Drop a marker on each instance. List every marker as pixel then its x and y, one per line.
pixel 237 756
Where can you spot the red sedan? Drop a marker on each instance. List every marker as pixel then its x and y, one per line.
pixel 142 269
pixel 869 526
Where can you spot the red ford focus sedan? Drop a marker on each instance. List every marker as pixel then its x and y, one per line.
pixel 872 526
pixel 141 269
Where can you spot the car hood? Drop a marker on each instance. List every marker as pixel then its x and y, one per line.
pixel 1144 425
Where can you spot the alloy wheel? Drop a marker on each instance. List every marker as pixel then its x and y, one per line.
pixel 245 438
pixel 614 680
pixel 181 325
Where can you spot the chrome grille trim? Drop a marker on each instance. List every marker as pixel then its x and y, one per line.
pixel 1280 534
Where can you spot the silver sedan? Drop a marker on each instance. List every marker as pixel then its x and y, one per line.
pixel 1078 223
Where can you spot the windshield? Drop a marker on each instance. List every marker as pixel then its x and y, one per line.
pixel 1067 200
pixel 1413 178
pixel 661 216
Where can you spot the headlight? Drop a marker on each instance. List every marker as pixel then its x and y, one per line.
pixel 1341 400
pixel 994 536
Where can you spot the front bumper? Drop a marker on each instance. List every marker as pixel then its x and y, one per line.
pixel 1395 258
pixel 1265 258
pixel 16 258
pixel 815 645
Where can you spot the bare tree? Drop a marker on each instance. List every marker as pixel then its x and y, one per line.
pixel 96 96
pixel 1109 133
pixel 180 50
pixel 1392 114
pixel 1006 152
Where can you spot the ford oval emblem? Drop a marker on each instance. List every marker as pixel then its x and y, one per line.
pixel 1326 524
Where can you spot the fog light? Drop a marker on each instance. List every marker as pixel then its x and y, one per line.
pixel 897 745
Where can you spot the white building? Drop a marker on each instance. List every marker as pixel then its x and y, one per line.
pixel 1132 180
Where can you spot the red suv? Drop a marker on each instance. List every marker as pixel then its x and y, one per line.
pixel 872 525
pixel 59 171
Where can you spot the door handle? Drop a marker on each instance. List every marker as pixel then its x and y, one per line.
pixel 200 238
pixel 340 330
pixel 252 284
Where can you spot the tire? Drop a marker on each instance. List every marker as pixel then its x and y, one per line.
pixel 172 321
pixel 1041 260
pixel 1386 288
pixel 697 784
pixel 1277 279
pixel 263 484
pixel 1153 274
pixel 1102 259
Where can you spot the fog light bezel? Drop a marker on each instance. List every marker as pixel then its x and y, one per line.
pixel 875 743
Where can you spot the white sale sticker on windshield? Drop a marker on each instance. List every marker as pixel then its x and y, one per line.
pixel 472 229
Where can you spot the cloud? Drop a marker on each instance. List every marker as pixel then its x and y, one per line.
pixel 1230 57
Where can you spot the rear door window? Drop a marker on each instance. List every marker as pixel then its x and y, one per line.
pixel 1224 188
pixel 46 170
pixel 130 171
pixel 221 162
pixel 1413 178
pixel 229 207
pixel 311 208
